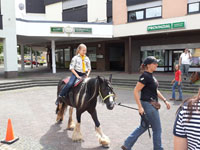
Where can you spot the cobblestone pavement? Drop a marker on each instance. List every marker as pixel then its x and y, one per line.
pixel 32 112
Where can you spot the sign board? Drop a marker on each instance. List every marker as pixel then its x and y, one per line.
pixel 178 25
pixel 57 29
pixel 70 30
pixel 83 30
pixel 159 27
pixel 166 26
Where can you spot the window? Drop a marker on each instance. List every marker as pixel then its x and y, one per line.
pixel 193 8
pixel 144 14
pixel 159 54
pixel 153 12
pixel 109 19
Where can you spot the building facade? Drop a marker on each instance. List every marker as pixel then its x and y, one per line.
pixel 119 33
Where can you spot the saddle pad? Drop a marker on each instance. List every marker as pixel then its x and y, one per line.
pixel 77 82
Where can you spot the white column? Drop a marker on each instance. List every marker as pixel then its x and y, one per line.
pixel 10 57
pixel 53 56
pixel 22 57
pixel 9 38
pixel 31 54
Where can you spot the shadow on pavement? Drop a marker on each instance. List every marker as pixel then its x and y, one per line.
pixel 58 139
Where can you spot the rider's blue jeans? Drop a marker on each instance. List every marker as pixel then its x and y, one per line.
pixel 153 117
pixel 179 90
pixel 71 82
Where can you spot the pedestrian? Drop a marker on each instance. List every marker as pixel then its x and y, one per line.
pixel 187 125
pixel 177 83
pixel 80 66
pixel 148 104
pixel 184 62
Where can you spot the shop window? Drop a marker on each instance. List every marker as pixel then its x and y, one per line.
pixel 145 14
pixel 67 57
pixel 91 52
pixel 153 12
pixel 159 54
pixel 193 8
pixel 195 61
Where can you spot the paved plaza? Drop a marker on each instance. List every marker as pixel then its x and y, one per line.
pixel 32 112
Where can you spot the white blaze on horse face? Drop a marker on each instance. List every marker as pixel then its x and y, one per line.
pixel 111 99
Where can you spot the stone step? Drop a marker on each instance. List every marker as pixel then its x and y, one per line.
pixel 116 82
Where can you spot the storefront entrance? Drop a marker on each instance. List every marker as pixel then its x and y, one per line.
pixel 171 58
pixel 116 56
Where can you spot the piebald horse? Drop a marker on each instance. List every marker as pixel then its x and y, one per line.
pixel 84 98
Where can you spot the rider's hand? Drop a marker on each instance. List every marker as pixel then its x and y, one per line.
pixel 78 77
pixel 141 111
pixel 167 105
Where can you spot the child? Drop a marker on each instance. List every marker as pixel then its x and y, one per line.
pixel 177 82
pixel 80 66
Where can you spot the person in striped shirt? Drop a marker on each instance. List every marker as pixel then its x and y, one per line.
pixel 187 125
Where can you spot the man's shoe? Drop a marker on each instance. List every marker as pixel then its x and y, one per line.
pixel 123 147
pixel 179 100
pixel 172 99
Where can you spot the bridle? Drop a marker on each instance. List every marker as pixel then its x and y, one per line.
pixel 107 96
pixel 104 98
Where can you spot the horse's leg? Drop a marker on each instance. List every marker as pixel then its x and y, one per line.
pixel 103 139
pixel 77 136
pixel 60 112
pixel 71 124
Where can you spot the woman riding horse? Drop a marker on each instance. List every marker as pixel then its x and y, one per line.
pixel 80 66
pixel 85 99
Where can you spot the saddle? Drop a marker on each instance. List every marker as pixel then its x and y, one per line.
pixel 71 91
pixel 77 82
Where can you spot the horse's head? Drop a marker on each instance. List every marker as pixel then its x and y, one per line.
pixel 106 92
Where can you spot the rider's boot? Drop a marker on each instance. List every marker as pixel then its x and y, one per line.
pixel 59 99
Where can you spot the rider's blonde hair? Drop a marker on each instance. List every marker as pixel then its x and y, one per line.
pixel 79 48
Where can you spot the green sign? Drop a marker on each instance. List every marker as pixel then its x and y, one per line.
pixel 57 29
pixel 159 27
pixel 166 26
pixel 178 25
pixel 83 30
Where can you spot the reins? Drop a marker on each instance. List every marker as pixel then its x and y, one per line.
pixel 144 121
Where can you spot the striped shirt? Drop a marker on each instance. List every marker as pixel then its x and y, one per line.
pixel 187 126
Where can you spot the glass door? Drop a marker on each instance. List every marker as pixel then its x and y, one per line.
pixel 175 57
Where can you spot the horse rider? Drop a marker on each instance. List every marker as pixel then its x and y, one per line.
pixel 80 66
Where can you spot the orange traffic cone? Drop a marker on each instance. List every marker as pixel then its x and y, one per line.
pixel 9 134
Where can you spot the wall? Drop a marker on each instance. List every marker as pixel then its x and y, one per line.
pixel 119 12
pixel 140 27
pixel 54 11
pixel 97 11
pixel 174 8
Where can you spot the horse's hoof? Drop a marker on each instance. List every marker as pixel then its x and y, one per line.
pixel 78 140
pixel 105 146
pixel 70 129
pixel 59 121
